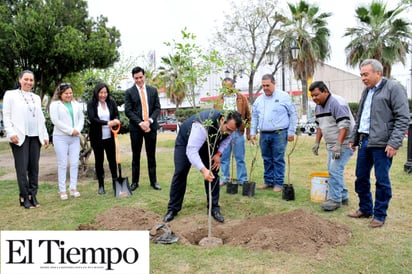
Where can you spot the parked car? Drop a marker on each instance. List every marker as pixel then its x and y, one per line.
pixel 168 125
pixel 309 127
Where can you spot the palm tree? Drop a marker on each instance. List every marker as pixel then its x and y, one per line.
pixel 170 77
pixel 381 35
pixel 308 28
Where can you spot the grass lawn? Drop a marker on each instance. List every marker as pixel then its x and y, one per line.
pixel 384 250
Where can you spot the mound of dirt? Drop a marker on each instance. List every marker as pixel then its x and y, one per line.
pixel 298 231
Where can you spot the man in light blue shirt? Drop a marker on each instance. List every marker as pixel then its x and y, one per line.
pixel 274 117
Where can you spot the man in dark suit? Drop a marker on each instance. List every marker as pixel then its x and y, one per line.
pixel 142 107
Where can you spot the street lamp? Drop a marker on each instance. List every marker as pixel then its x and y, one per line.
pixel 227 73
pixel 236 70
pixel 241 72
pixel 300 66
pixel 294 51
pixel 270 55
pixel 407 167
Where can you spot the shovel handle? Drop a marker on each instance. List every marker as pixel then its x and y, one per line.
pixel 115 131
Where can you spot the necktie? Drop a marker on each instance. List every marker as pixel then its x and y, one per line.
pixel 144 105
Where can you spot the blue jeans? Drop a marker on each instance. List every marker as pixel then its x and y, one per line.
pixel 337 188
pixel 237 145
pixel 273 147
pixel 368 158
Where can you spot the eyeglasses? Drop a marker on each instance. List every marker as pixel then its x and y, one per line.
pixel 63 86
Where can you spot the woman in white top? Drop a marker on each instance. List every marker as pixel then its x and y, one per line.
pixel 67 116
pixel 26 131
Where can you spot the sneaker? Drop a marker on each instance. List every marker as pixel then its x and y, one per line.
pixel 331 205
pixel 345 202
pixel 74 193
pixel 63 196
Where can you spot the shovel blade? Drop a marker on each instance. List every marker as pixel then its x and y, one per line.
pixel 122 188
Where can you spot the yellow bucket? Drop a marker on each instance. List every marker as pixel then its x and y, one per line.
pixel 319 186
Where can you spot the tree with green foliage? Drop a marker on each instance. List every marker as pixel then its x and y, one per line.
pixel 186 69
pixel 307 27
pixel 247 35
pixel 53 38
pixel 381 34
pixel 170 76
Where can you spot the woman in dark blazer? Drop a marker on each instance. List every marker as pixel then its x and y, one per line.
pixel 103 115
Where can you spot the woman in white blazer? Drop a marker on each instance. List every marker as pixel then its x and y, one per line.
pixel 67 116
pixel 26 131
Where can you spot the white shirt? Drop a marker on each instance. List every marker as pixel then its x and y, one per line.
pixel 104 114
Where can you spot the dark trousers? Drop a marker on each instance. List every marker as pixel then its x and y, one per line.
pixel 136 138
pixel 368 158
pixel 98 149
pixel 179 181
pixel 26 162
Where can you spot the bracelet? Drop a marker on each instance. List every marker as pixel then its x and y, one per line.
pixel 219 153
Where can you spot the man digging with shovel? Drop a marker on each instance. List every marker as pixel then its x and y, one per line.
pixel 191 148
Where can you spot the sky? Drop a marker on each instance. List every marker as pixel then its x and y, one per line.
pixel 146 25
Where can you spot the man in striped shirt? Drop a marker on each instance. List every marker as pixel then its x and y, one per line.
pixel 334 123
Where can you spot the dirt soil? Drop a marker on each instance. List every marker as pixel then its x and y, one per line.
pixel 298 231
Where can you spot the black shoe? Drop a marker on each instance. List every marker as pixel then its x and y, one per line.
pixel 101 190
pixel 217 216
pixel 27 204
pixel 156 186
pixel 133 186
pixel 170 215
pixel 33 201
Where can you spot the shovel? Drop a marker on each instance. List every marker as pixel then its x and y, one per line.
pixel 121 185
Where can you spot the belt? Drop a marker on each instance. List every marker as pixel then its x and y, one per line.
pixel 277 131
pixel 363 135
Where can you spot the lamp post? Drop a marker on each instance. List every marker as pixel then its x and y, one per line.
pixel 294 51
pixel 270 55
pixel 408 165
pixel 283 67
pixel 300 68
pixel 227 73
pixel 235 70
